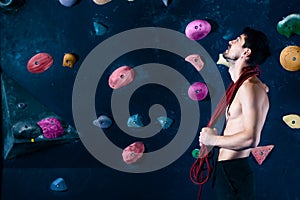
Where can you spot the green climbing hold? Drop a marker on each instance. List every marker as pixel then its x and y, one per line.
pixel 290 25
pixel 196 153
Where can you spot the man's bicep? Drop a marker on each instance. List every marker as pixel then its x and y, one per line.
pixel 250 108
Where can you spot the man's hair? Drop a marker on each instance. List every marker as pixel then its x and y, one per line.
pixel 258 42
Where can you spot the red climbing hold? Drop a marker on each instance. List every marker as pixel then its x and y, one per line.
pixel 39 63
pixel 260 153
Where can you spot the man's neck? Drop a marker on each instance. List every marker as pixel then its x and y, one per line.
pixel 235 70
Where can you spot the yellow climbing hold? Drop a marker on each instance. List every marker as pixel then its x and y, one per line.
pixel 222 60
pixel 292 120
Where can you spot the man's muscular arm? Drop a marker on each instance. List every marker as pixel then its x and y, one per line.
pixel 250 98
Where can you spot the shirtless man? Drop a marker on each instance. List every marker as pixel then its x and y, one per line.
pixel 233 178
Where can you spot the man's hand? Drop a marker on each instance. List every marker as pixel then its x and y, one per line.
pixel 208 136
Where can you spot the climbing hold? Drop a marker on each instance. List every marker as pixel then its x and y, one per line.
pixel 99 28
pixel 22 105
pixel 101 2
pixel 135 121
pixel 51 127
pixel 103 122
pixel 290 58
pixel 165 122
pixel 197 29
pixel 133 152
pixel 261 153
pixel 292 120
pixel 228 35
pixel 195 153
pixel 222 60
pixel 198 91
pixel 39 63
pixel 167 2
pixel 67 3
pixel 69 60
pixel 121 77
pixel 290 25
pixel 196 61
pixel 26 130
pixel 59 185
pixel 11 5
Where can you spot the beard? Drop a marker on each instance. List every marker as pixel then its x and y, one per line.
pixel 228 57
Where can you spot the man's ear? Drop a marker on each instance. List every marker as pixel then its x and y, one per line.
pixel 247 52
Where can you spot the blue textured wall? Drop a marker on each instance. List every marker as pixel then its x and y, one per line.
pixel 47 26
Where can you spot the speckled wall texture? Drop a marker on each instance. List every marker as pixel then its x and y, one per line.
pixel 49 27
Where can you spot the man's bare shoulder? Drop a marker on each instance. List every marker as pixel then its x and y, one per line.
pixel 253 86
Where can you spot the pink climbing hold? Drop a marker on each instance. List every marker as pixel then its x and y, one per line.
pixel 133 152
pixel 198 91
pixel 197 29
pixel 121 77
pixel 196 61
pixel 51 127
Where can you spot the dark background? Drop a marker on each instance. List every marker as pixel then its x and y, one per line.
pixel 47 26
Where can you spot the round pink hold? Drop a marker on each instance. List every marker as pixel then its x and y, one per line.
pixel 196 61
pixel 197 29
pixel 198 91
pixel 51 127
pixel 121 77
pixel 133 152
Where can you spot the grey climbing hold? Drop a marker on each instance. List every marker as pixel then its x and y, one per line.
pixel 167 2
pixel 103 122
pixel 22 105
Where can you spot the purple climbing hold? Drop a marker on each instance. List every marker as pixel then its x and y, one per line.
pixel 198 91
pixel 51 127
pixel 197 29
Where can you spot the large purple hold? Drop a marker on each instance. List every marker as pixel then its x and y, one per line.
pixel 51 127
pixel 67 3
pixel 198 91
pixel 197 29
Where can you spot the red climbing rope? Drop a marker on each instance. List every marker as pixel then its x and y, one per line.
pixel 201 170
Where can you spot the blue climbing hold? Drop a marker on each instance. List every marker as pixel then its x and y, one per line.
pixel 100 29
pixel 135 121
pixel 165 122
pixel 59 185
pixel 229 34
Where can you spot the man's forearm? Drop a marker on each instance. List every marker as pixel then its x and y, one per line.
pixel 238 141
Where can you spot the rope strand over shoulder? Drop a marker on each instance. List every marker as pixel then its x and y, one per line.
pixel 201 170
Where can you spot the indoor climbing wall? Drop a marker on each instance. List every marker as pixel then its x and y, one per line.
pixel 105 98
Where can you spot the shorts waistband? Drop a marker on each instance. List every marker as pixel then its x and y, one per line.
pixel 245 159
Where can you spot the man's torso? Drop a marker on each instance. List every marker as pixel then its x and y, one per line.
pixel 235 120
